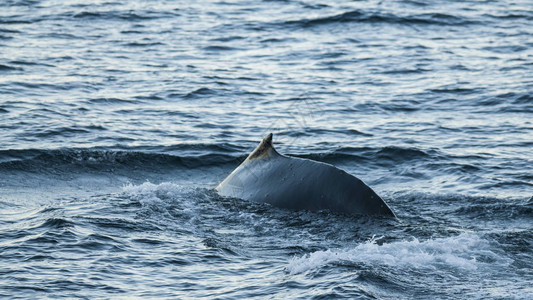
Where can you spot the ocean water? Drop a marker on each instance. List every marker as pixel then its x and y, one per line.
pixel 118 118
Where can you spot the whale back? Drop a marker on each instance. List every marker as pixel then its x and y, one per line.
pixel 297 183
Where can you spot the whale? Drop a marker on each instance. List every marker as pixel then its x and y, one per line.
pixel 267 176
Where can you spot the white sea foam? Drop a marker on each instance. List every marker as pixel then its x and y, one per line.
pixel 149 190
pixel 460 252
pixel 162 197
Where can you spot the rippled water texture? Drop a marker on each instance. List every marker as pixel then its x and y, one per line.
pixel 117 119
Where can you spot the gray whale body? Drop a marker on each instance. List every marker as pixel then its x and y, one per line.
pixel 297 183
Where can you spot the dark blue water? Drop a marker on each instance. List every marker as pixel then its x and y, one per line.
pixel 118 118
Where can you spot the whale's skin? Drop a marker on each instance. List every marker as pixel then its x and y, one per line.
pixel 296 183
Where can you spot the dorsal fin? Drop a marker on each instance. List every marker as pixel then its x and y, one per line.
pixel 265 148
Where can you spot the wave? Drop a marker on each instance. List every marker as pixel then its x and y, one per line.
pixel 40 160
pixel 123 15
pixel 111 101
pixel 479 208
pixel 512 15
pixel 465 252
pixel 6 68
pixel 143 44
pixel 495 209
pixel 112 15
pixel 510 102
pixel 190 156
pixel 359 16
pixel 380 155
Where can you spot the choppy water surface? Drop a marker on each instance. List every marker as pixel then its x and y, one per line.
pixel 117 118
